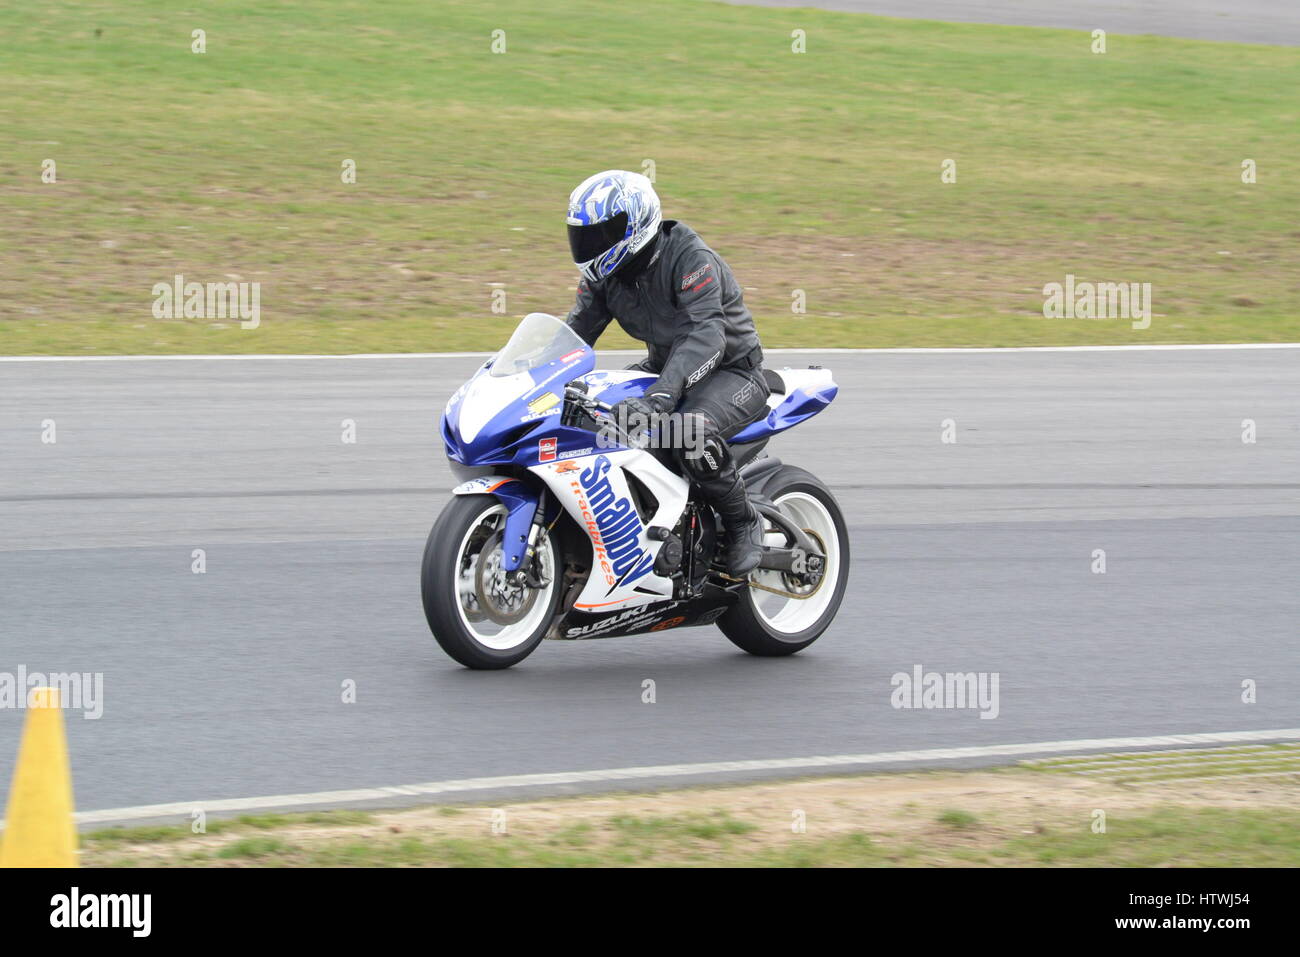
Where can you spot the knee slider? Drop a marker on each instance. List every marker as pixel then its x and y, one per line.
pixel 708 458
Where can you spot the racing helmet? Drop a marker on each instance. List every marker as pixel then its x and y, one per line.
pixel 612 216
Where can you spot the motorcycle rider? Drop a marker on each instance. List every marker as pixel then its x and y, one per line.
pixel 671 291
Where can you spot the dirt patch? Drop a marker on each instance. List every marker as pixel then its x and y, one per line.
pixel 944 812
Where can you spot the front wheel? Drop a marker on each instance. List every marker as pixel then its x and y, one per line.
pixel 478 616
pixel 769 624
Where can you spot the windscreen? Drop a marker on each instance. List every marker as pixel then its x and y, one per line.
pixel 539 339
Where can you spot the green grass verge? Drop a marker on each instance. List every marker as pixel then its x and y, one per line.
pixel 817 172
pixel 1209 837
pixel 1275 760
pixel 164 833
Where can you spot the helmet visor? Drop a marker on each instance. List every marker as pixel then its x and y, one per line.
pixel 588 242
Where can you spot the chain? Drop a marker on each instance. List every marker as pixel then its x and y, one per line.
pixel 768 588
pixel 778 591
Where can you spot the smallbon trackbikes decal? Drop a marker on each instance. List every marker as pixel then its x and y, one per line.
pixel 613 524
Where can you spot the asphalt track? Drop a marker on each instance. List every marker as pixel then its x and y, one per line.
pixel 972 556
pixel 1239 21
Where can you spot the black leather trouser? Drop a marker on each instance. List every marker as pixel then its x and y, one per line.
pixel 723 404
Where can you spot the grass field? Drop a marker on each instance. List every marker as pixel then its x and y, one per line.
pixel 1164 837
pixel 1019 817
pixel 817 171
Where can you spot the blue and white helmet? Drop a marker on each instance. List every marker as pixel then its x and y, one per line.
pixel 612 216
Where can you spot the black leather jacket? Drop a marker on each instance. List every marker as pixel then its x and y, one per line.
pixel 684 303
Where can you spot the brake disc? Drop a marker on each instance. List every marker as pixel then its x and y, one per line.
pixel 466 578
pixel 467 589
pixel 498 599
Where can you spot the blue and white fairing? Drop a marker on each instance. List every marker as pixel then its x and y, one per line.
pixel 508 414
pixel 807 392
pixel 497 416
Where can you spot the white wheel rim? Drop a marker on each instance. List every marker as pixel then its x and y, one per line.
pixel 790 616
pixel 487 632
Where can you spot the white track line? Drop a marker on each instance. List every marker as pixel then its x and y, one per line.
pixel 943 350
pixel 363 795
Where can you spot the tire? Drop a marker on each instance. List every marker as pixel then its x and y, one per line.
pixel 456 572
pixel 770 625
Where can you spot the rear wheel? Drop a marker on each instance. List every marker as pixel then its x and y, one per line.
pixel 478 616
pixel 769 624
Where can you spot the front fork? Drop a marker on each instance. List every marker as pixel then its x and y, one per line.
pixel 526 571
pixel 526 516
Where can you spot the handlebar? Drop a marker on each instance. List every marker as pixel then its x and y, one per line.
pixel 597 409
pixel 581 397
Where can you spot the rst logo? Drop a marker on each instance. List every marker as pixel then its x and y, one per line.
pixel 617 523
pixel 546 449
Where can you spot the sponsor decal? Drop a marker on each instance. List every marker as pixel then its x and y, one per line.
pixel 745 393
pixel 576 453
pixel 563 370
pixel 567 467
pixel 703 370
pixel 691 277
pixel 547 400
pixel 613 525
pixel 486 483
pixel 669 623
pixel 631 618
pixel 546 449
pixel 457 396
pixel 710 616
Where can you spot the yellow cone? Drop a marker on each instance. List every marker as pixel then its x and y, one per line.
pixel 39 830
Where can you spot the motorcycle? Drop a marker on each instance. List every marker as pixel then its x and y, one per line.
pixel 565 528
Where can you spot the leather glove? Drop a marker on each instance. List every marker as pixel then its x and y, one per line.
pixel 636 415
